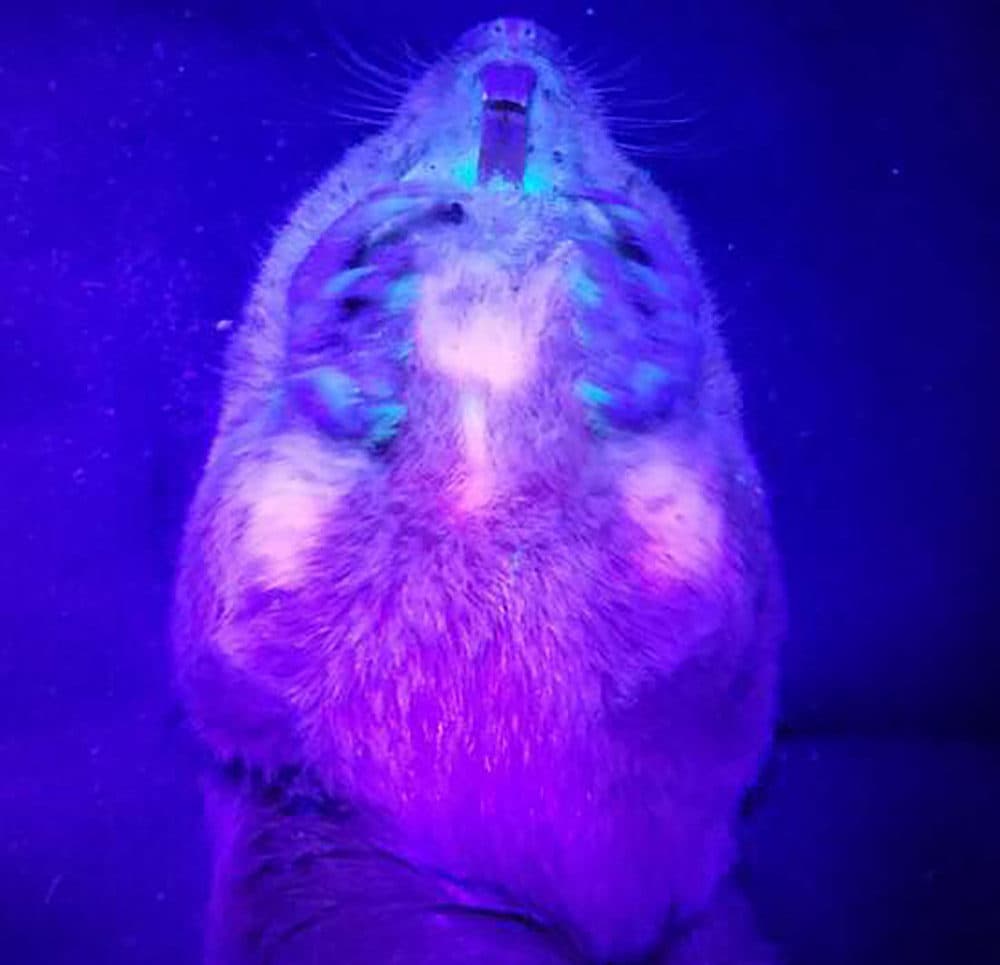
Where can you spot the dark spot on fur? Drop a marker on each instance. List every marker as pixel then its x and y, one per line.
pixel 631 248
pixel 353 304
pixel 452 213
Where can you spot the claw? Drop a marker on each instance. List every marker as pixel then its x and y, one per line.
pixel 340 284
pixel 367 234
pixel 649 254
pixel 345 408
pixel 331 400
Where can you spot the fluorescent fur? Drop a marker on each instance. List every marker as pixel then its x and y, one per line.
pixel 550 700
pixel 287 499
pixel 479 483
pixel 488 337
pixel 673 504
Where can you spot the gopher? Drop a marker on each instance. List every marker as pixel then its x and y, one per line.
pixel 477 606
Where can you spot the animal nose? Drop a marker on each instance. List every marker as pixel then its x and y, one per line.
pixel 516 33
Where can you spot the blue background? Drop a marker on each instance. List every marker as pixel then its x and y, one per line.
pixel 838 182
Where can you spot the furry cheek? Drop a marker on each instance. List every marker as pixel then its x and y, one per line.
pixel 671 502
pixel 287 500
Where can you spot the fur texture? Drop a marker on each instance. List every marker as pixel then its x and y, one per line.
pixel 479 549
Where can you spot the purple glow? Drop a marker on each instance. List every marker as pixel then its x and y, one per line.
pixel 551 701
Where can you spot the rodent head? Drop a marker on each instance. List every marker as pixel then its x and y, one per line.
pixel 506 109
pixel 485 307
pixel 480 335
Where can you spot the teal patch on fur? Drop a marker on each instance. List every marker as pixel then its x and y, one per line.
pixel 341 282
pixel 465 171
pixel 401 294
pixel 647 378
pixel 405 350
pixel 385 422
pixel 338 390
pixel 653 280
pixel 381 389
pixel 391 206
pixel 592 393
pixel 627 213
pixel 598 424
pixel 537 179
pixel 584 288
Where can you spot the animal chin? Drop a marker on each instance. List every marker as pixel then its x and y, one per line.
pixel 503 141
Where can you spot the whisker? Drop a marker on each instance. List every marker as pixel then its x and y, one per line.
pixel 415 59
pixel 688 150
pixel 653 150
pixel 376 110
pixel 285 122
pixel 649 123
pixel 377 101
pixel 605 91
pixel 389 91
pixel 399 66
pixel 653 101
pixel 386 79
pixel 613 73
pixel 359 119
